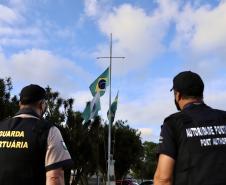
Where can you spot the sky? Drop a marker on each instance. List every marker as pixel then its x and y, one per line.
pixel 56 43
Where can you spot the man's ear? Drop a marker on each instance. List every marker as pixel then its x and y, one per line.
pixel 179 96
pixel 40 104
pixel 176 94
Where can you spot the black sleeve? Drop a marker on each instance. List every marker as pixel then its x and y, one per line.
pixel 167 144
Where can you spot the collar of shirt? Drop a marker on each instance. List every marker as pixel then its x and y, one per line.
pixel 193 104
pixel 28 111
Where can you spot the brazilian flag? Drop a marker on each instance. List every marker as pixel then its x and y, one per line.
pixel 92 108
pixel 114 106
pixel 95 106
pixel 87 112
pixel 100 84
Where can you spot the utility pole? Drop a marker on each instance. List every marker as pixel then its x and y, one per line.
pixel 109 127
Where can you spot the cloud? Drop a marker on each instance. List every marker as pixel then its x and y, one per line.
pixel 20 37
pixel 19 42
pixel 146 133
pixel 8 15
pixel 140 35
pixel 216 101
pixel 65 33
pixel 137 34
pixel 152 106
pixel 215 92
pixel 201 29
pixel 96 8
pixel 19 30
pixel 10 31
pixel 91 7
pixel 200 38
pixel 81 97
pixel 17 2
pixel 210 38
pixel 44 68
pixel 15 31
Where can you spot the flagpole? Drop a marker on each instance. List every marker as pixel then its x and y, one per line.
pixel 110 124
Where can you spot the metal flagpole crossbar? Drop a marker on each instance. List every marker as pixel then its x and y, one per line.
pixel 109 127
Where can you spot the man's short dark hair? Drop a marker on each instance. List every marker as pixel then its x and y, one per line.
pixel 31 94
pixel 189 84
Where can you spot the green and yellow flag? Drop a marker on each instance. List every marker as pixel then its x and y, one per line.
pixel 92 108
pixel 87 112
pixel 114 106
pixel 100 84
pixel 95 106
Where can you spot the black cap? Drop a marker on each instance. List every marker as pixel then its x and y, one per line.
pixel 32 93
pixel 189 84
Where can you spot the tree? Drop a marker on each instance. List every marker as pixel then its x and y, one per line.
pixel 54 102
pixel 150 160
pixel 8 105
pixel 126 148
pixel 81 139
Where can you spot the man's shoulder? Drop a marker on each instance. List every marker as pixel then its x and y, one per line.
pixel 173 117
pixel 5 120
pixel 177 120
pixel 220 112
pixel 43 125
pixel 46 122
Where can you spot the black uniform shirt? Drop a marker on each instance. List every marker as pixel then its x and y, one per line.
pixel 30 146
pixel 196 139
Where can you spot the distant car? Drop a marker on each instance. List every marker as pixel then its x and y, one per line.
pixel 148 182
pixel 126 182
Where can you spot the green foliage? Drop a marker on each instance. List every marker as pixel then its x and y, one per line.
pixel 54 103
pixel 150 157
pixel 8 105
pixel 127 148
pixel 145 169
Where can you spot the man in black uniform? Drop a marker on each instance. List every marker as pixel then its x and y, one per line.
pixel 192 145
pixel 32 151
